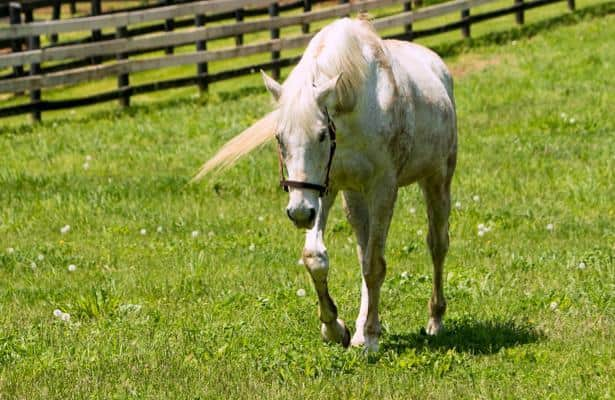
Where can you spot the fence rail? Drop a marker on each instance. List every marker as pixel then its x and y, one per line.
pixel 101 54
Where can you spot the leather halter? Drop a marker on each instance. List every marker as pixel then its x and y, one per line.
pixel 322 189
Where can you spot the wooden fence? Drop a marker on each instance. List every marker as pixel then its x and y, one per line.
pixel 111 40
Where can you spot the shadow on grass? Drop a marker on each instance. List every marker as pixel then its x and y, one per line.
pixel 525 31
pixel 468 336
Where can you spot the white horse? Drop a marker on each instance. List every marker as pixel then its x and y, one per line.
pixel 392 103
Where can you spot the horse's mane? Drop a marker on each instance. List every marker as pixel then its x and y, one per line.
pixel 339 48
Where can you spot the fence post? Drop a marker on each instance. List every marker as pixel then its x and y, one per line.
pixel 201 68
pixel 307 7
pixel 123 81
pixel 169 26
pixel 519 15
pixel 571 5
pixel 73 7
pixel 344 2
pixel 15 18
pixel 239 17
pixel 408 27
pixel 96 33
pixel 55 15
pixel 465 29
pixel 34 43
pixel 274 11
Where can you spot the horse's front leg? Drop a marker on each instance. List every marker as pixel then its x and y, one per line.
pixel 370 215
pixel 316 260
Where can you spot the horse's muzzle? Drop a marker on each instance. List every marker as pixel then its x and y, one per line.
pixel 302 217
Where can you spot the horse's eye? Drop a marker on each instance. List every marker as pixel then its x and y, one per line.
pixel 322 135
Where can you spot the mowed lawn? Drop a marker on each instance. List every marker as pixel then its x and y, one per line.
pixel 187 292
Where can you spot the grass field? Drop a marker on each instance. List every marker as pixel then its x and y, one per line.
pixel 191 292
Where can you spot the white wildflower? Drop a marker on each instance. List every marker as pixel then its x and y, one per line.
pixel 550 227
pixel 40 257
pixel 481 227
pixel 476 198
pixel 194 234
pixel 65 317
pixel 553 305
pixel 412 210
pixel 301 292
pixel 458 205
pixel 72 268
pixel 481 233
pixel 33 265
pixel 57 313
pixel 300 261
pixel 143 231
pixel 64 230
pixel 252 247
pixel 582 265
pixel 419 232
pixel 261 218
pixel 211 234
pixel 159 229
pixel 405 275
pixel 10 250
pixel 86 165
pixel 572 120
pixel 88 158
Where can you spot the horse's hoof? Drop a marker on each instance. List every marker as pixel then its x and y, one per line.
pixel 336 332
pixel 434 326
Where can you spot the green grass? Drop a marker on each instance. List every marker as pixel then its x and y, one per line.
pixel 166 315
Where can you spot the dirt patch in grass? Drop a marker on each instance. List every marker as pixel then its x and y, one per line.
pixel 471 64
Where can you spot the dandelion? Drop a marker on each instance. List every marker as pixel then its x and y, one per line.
pixel 261 218
pixel 550 227
pixel 143 231
pixel 412 210
pixel 88 158
pixel 57 313
pixel 86 165
pixel 159 229
pixel 40 257
pixel 65 229
pixel 419 232
pixel 476 198
pixel 553 305
pixel 572 120
pixel 301 292
pixel 10 250
pixel 252 247
pixel 65 317
pixel 481 227
pixel 405 275
pixel 481 233
pixel 72 268
pixel 458 205
pixel 563 115
pixel 582 265
pixel 33 265
pixel 194 234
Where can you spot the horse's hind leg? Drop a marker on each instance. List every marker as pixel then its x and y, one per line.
pixel 438 200
pixel 316 261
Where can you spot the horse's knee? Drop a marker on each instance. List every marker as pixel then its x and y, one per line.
pixel 317 264
pixel 375 271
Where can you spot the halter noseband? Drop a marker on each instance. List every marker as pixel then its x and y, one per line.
pixel 322 189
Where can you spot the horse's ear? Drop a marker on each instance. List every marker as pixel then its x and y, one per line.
pixel 272 86
pixel 325 93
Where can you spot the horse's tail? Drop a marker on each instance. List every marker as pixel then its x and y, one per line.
pixel 240 145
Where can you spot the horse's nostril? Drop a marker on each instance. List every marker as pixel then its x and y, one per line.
pixel 312 214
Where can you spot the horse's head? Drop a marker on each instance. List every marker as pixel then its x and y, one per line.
pixel 305 136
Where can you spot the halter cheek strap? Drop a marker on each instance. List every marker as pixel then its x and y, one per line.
pixel 322 189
